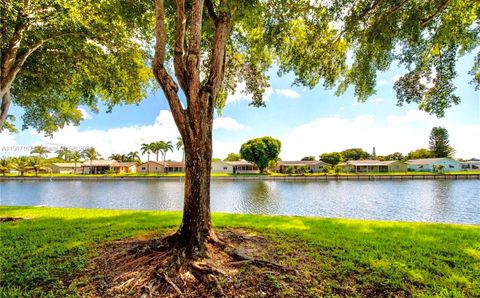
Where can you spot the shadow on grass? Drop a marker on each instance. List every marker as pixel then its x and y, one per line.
pixel 47 252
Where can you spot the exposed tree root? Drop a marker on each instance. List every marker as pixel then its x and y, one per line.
pixel 159 268
pixel 7 219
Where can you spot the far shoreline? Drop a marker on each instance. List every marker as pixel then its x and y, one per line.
pixel 350 177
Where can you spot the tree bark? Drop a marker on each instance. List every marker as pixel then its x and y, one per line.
pixel 4 106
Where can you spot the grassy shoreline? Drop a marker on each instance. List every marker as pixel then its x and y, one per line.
pixel 45 253
pixel 221 175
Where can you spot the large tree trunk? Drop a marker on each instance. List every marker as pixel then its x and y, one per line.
pixel 195 121
pixel 196 225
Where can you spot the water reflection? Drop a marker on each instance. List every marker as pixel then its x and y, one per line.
pixel 413 200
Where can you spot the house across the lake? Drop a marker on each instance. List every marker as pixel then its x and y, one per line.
pixel 374 166
pixel 234 167
pixel 428 164
pixel 471 165
pixel 98 166
pixel 66 168
pixel 160 167
pixel 125 167
pixel 312 166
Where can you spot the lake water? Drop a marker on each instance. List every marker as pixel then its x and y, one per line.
pixel 452 201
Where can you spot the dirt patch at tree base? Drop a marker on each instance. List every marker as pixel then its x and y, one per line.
pixel 147 268
pixel 9 219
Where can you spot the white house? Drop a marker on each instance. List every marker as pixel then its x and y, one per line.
pixel 471 165
pixel 427 164
pixel 160 167
pixel 234 167
pixel 374 166
pixel 98 166
pixel 66 167
pixel 313 166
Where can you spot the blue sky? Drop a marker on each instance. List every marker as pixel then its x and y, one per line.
pixel 308 122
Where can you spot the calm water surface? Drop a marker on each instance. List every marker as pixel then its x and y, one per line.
pixel 454 201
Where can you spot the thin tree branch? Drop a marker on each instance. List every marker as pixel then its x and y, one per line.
pixel 437 11
pixel 211 12
pixel 168 85
pixel 12 71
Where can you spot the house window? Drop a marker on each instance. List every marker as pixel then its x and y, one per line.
pixel 143 168
pixel 451 167
pixel 225 168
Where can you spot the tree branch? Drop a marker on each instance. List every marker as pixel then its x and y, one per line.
pixel 211 12
pixel 193 59
pixel 12 71
pixel 168 85
pixel 179 50
pixel 4 106
pixel 216 72
pixel 437 11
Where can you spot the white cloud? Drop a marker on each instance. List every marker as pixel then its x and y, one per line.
pixel 85 114
pixel 410 116
pixel 228 123
pixel 382 82
pixel 288 93
pixel 117 140
pixel 240 94
pixel 6 141
pixel 376 100
pixel 400 133
pixel 395 78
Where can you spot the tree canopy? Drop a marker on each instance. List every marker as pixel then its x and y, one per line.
pixel 233 157
pixel 420 153
pixel 332 158
pixel 261 151
pixel 355 154
pixel 439 144
pixel 58 55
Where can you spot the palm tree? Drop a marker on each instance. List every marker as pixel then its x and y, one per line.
pixel 180 146
pixel 64 153
pixel 40 150
pixel 91 154
pixel 133 156
pixel 76 156
pixel 167 146
pixel 146 148
pixel 117 157
pixel 5 165
pixel 157 147
pixel 21 164
pixel 37 164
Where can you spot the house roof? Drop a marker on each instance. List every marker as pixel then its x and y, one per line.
pixel 241 162
pixel 302 163
pixel 174 164
pixel 370 162
pixel 166 163
pixel 126 164
pixel 426 161
pixel 65 164
pixel 100 163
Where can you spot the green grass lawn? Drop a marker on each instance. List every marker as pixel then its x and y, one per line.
pixel 41 256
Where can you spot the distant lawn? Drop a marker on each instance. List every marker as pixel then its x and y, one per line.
pixel 43 254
